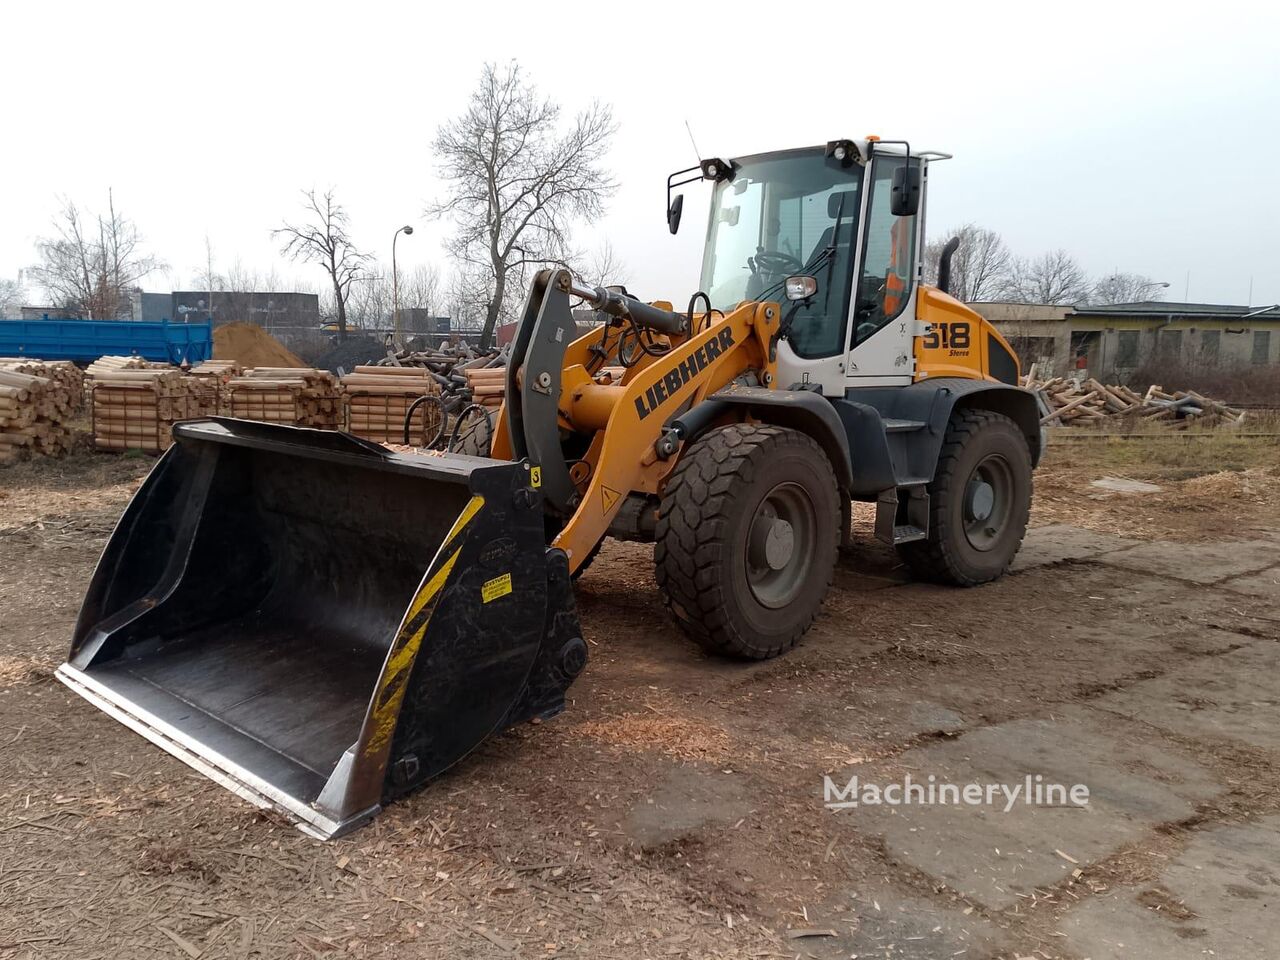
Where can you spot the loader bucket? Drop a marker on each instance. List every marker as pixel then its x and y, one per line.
pixel 319 624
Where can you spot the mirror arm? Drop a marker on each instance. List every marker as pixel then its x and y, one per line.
pixel 672 183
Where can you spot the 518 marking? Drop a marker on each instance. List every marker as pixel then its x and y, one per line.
pixel 948 336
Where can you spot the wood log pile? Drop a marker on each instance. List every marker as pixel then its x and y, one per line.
pixel 1068 402
pixel 209 381
pixel 37 401
pixel 135 408
pixel 294 396
pixel 458 370
pixel 488 385
pixel 378 398
pixel 221 370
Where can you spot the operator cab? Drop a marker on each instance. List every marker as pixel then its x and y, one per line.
pixel 828 213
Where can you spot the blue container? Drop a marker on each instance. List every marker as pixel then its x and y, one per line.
pixel 87 340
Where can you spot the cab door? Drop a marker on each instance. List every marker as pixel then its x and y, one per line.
pixel 882 310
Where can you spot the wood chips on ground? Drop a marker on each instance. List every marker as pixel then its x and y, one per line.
pixel 685 739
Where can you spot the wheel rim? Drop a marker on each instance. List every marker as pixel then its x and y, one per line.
pixel 988 499
pixel 779 545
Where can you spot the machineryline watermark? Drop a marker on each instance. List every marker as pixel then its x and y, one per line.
pixel 1034 791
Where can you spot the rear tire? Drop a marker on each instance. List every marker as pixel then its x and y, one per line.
pixel 747 535
pixel 979 502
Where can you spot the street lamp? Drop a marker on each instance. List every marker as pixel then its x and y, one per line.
pixel 395 282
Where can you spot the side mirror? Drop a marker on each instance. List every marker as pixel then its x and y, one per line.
pixel 904 196
pixel 673 213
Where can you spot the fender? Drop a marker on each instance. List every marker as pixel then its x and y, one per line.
pixel 914 454
pixel 804 410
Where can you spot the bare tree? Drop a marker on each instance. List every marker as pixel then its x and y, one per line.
pixel 240 278
pixel 11 298
pixel 1126 288
pixel 324 239
pixel 93 262
pixel 420 289
pixel 1054 277
pixel 468 296
pixel 516 183
pixel 369 306
pixel 980 267
pixel 603 266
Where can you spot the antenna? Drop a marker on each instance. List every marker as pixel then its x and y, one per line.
pixel 696 152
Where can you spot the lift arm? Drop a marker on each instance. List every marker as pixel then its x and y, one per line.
pixel 556 399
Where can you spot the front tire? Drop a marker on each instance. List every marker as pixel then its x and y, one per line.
pixel 979 502
pixel 747 536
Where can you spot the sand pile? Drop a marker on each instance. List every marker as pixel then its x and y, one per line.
pixel 251 346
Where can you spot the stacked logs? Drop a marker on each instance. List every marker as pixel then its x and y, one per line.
pixel 126 407
pixel 37 401
pixel 488 385
pixel 378 399
pixel 209 379
pixel 135 408
pixel 222 370
pixel 67 377
pixel 294 396
pixel 1071 402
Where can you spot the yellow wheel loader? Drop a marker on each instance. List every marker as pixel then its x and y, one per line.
pixel 321 624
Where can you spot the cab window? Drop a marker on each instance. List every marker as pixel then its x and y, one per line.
pixel 793 213
pixel 889 256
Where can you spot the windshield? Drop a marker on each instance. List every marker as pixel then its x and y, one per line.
pixel 776 219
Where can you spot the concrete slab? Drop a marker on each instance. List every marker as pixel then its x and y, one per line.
pixel 1265 584
pixel 1232 696
pixel 879 714
pixel 1201 562
pixel 880 921
pixel 1217 899
pixel 1125 485
pixel 1059 542
pixel 683 801
pixel 994 856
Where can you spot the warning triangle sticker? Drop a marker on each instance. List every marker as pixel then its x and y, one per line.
pixel 609 497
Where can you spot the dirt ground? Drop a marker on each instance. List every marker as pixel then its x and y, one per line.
pixel 677 808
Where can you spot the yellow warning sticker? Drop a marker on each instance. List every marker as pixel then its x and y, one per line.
pixel 535 476
pixel 495 588
pixel 608 497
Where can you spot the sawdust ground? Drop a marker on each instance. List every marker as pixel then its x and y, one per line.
pixel 1210 488
pixel 111 848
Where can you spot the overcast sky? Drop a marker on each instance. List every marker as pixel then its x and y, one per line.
pixel 1140 137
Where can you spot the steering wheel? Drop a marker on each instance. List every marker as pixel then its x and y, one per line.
pixel 770 261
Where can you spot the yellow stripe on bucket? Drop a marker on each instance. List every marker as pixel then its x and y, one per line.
pixel 404 650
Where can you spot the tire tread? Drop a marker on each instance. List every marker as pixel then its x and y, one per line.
pixel 693 520
pixel 934 559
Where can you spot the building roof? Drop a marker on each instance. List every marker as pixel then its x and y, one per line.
pixel 1010 312
pixel 1162 308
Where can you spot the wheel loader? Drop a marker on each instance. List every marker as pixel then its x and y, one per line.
pixel 321 624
